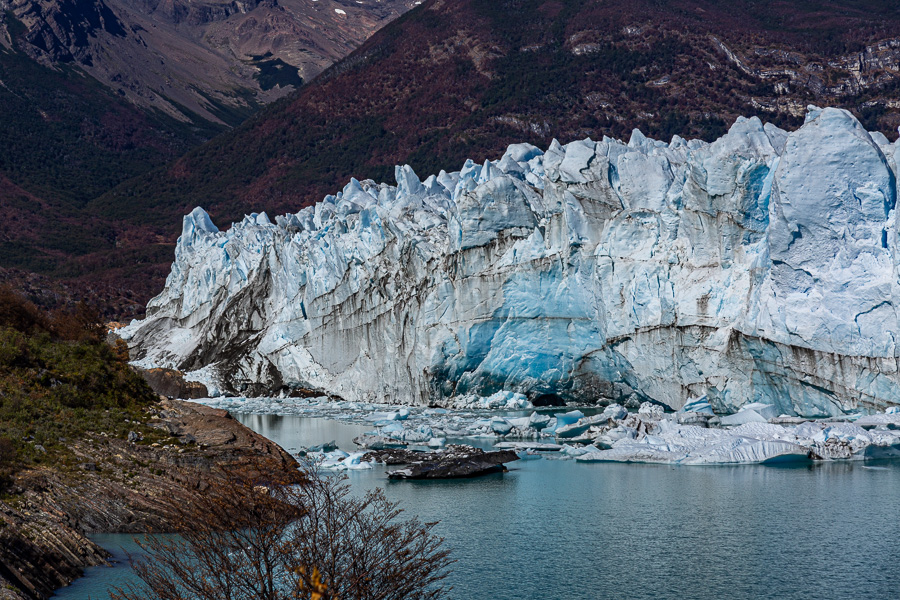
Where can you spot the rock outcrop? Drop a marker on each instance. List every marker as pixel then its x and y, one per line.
pixel 123 487
pixel 762 267
pixel 171 383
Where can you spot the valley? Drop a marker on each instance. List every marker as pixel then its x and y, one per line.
pixel 389 299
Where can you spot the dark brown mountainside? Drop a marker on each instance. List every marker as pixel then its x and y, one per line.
pixel 464 78
pixel 93 93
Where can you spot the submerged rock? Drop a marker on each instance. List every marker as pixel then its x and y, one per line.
pixel 539 446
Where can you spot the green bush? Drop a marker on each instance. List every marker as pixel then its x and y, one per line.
pixel 59 380
pixel 7 461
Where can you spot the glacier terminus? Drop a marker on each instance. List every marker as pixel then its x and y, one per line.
pixel 760 268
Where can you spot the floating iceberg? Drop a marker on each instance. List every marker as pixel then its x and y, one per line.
pixel 760 268
pixel 500 399
pixel 752 442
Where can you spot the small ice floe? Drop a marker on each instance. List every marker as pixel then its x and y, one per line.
pixel 500 426
pixel 338 460
pixel 569 418
pixel 698 405
pixel 397 415
pixel 326 447
pixel 501 399
pixel 755 412
pixel 339 11
pixel 648 408
pixel 528 455
pixel 574 451
pixel 889 418
pixel 377 442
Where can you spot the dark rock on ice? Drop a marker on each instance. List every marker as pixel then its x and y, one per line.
pixel 454 462
pixel 171 384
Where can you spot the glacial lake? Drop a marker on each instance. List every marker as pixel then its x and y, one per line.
pixel 557 529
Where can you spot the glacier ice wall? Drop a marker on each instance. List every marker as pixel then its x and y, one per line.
pixel 762 267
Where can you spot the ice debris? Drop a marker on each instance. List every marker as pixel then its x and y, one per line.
pixel 755 412
pixel 611 435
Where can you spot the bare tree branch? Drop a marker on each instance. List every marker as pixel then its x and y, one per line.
pixel 312 541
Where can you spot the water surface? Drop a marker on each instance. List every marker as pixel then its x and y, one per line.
pixel 554 529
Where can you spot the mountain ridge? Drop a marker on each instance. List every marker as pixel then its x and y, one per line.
pixel 94 93
pixel 495 67
pixel 454 79
pixel 201 59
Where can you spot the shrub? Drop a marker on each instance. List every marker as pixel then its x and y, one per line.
pixel 7 461
pixel 59 379
pixel 312 540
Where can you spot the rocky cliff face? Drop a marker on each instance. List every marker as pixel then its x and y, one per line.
pixel 760 267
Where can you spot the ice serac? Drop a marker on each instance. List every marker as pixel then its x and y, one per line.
pixel 761 268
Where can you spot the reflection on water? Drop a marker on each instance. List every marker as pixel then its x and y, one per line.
pixel 553 529
pixel 293 432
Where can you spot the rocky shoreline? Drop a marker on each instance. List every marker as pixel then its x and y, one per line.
pixel 121 486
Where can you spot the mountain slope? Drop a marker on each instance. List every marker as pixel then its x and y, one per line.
pixel 93 93
pixel 65 139
pixel 213 59
pixel 464 78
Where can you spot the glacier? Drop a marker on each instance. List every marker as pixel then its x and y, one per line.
pixel 760 268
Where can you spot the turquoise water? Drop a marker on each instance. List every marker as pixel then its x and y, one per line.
pixel 554 530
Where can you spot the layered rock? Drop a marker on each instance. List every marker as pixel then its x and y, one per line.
pixel 759 268
pixel 123 487
pixel 171 383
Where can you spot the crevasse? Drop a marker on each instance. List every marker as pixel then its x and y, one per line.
pixel 762 267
